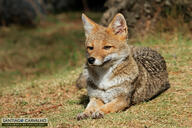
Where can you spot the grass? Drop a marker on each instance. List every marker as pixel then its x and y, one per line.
pixel 38 69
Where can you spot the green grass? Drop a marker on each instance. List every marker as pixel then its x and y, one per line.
pixel 38 69
pixel 29 53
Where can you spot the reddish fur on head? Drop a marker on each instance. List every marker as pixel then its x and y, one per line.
pixel 104 43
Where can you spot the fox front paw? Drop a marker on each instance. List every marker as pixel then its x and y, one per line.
pixel 97 115
pixel 82 116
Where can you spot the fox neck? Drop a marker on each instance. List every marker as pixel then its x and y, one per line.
pixel 98 73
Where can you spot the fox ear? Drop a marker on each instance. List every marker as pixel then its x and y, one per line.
pixel 118 25
pixel 88 25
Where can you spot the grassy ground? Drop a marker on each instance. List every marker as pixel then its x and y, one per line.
pixel 38 69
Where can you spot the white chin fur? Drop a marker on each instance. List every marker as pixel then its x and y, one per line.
pixel 98 62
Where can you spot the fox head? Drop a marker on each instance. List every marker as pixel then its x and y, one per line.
pixel 105 44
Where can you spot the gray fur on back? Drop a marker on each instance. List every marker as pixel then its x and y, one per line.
pixel 151 60
pixel 153 76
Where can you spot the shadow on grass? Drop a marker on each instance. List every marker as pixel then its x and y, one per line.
pixel 84 100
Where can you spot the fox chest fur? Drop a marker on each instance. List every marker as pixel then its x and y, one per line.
pixel 113 80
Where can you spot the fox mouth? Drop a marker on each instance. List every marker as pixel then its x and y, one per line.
pixel 105 62
pixel 101 65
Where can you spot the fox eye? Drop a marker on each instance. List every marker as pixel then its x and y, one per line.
pixel 90 48
pixel 107 47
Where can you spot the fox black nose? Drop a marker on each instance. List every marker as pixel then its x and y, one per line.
pixel 91 60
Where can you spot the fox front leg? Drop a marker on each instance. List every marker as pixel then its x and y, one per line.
pixel 116 105
pixel 81 82
pixel 92 106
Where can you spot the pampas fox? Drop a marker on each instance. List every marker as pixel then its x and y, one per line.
pixel 118 75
